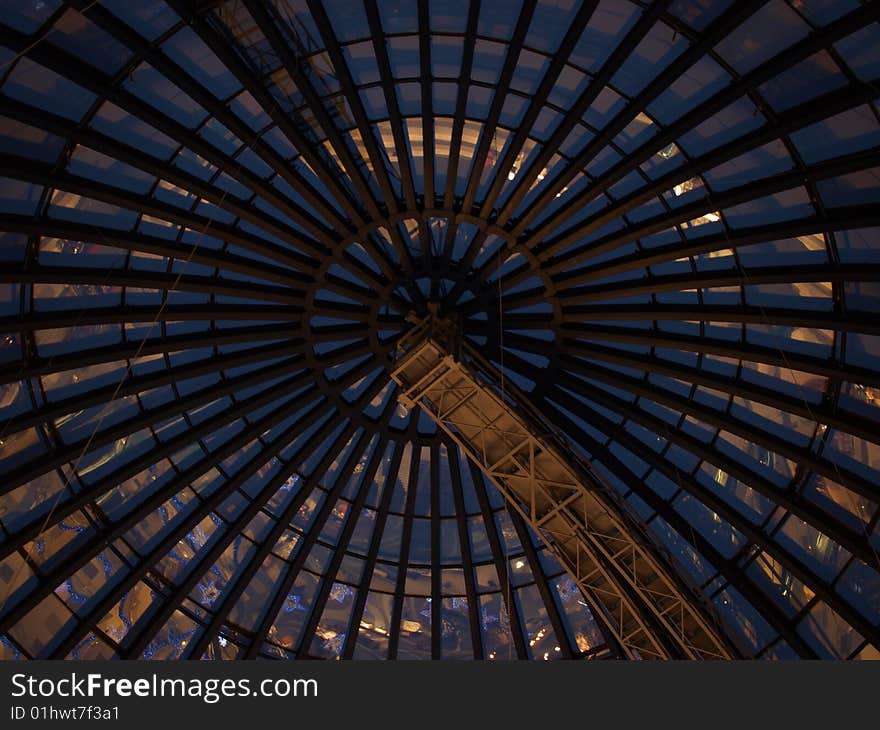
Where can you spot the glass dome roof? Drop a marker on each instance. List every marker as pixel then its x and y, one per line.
pixel 658 219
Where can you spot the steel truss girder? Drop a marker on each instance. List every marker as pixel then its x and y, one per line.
pixel 650 614
pixel 729 568
pixel 754 534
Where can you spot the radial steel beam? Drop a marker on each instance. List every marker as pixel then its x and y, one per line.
pixel 741 86
pixel 487 136
pixel 548 82
pixel 709 37
pixel 373 551
pixel 137 642
pixel 826 367
pixel 35 321
pixel 140 347
pixel 754 534
pixel 600 81
pixel 109 533
pixel 746 314
pixel 149 626
pixel 133 384
pixel 220 39
pixel 649 612
pixel 464 85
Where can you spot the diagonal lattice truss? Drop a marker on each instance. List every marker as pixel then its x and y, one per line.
pixel 650 614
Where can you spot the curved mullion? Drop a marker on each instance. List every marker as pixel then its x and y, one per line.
pixel 726 567
pixel 231 595
pixel 234 592
pixel 205 25
pixel 373 551
pixel 844 218
pixel 557 63
pixel 514 48
pixel 135 644
pixel 753 533
pixel 170 539
pixel 362 122
pixel 738 87
pixel 106 534
pixel 707 39
pixel 229 600
pixel 74 451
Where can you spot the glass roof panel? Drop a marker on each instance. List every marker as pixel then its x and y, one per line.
pixel 658 222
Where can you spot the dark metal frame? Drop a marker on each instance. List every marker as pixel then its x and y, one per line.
pixel 285 286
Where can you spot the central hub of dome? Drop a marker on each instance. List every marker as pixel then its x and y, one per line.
pixel 452 273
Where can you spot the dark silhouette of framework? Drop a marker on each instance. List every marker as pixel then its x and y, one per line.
pixel 350 246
